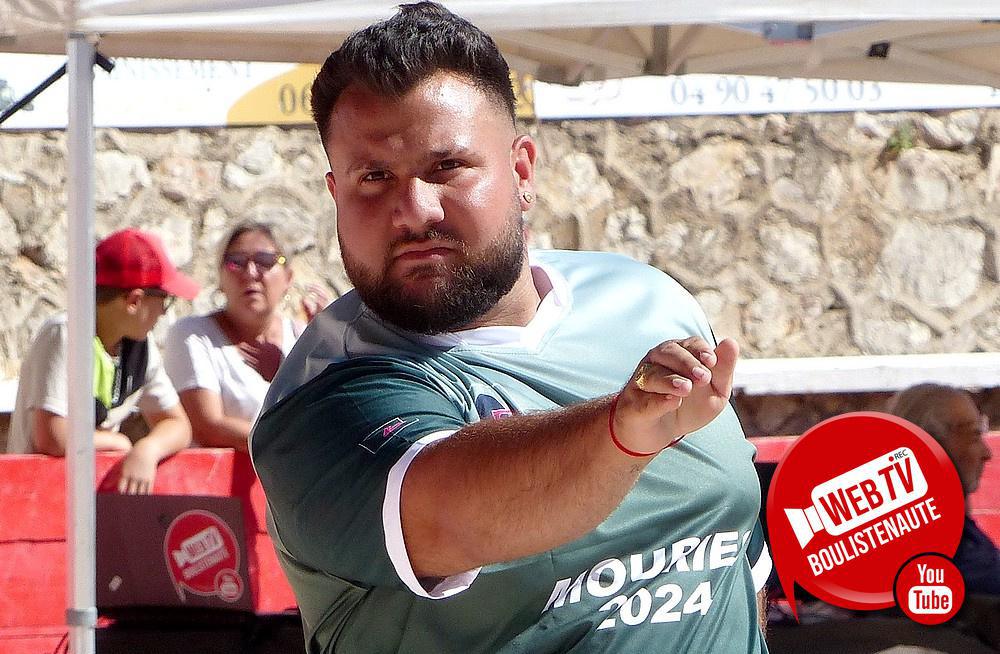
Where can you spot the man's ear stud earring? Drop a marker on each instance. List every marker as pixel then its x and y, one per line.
pixel 528 196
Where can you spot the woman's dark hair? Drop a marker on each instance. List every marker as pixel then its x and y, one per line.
pixel 390 58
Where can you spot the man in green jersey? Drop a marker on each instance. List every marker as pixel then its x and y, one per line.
pixel 478 449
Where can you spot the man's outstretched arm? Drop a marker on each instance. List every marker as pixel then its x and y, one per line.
pixel 502 490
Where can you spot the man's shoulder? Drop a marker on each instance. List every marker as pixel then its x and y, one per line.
pixel 356 400
pixel 380 374
pixel 346 307
pixel 599 262
pixel 328 334
pixel 610 271
pixel 587 258
pixel 973 533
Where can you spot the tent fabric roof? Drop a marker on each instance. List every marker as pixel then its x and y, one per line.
pixel 558 40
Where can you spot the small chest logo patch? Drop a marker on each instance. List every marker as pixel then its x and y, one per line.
pixel 374 441
pixel 490 408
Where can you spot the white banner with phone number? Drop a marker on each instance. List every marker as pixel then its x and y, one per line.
pixel 677 95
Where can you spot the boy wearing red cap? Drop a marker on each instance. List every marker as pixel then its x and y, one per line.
pixel 135 283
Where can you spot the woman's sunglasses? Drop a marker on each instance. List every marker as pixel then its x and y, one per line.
pixel 238 261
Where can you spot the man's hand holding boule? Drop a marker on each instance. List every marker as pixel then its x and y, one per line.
pixel 678 387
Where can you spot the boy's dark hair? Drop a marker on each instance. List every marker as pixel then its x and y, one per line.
pixel 390 58
pixel 105 294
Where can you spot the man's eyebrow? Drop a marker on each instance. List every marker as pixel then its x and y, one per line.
pixel 446 152
pixel 451 151
pixel 367 164
pixel 970 423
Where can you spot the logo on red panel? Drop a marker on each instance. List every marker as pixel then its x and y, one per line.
pixel 856 498
pixel 203 556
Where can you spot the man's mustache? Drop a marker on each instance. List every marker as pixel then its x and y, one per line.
pixel 429 235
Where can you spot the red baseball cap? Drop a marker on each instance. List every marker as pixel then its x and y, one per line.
pixel 134 259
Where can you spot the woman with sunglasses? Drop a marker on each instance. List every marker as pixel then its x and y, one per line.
pixel 222 363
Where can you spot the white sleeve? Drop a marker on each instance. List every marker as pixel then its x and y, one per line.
pixel 761 569
pixel 392 524
pixel 188 358
pixel 158 393
pixel 47 360
pixel 41 385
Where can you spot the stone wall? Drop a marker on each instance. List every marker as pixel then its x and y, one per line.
pixel 801 235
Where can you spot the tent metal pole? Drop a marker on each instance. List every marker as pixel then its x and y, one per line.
pixel 81 612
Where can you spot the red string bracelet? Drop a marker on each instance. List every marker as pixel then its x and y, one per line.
pixel 618 443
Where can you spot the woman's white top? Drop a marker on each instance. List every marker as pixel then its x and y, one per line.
pixel 198 354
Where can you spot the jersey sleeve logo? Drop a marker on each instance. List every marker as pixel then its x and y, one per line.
pixel 490 408
pixel 374 441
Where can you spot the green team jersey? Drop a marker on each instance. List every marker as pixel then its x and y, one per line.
pixel 673 569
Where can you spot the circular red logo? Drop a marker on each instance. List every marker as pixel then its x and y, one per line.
pixel 203 555
pixel 930 589
pixel 229 585
pixel 853 499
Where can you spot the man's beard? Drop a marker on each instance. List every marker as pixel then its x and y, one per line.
pixel 460 293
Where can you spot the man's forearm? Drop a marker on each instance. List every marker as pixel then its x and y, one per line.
pixel 501 490
pixel 762 610
pixel 504 489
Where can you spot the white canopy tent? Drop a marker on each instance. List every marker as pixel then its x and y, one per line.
pixel 556 40
pixel 560 40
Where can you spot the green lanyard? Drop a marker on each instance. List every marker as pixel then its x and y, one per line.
pixel 104 373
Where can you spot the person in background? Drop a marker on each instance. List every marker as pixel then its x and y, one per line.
pixel 951 417
pixel 223 362
pixel 135 284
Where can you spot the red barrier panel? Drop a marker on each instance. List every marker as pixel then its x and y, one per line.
pixel 33 640
pixel 33 531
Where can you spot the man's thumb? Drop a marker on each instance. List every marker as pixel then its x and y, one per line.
pixel 726 354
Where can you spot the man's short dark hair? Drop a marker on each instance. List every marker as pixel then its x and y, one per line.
pixel 392 57
pixel 925 406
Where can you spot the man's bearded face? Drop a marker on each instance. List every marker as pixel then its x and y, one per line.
pixel 441 296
